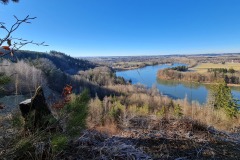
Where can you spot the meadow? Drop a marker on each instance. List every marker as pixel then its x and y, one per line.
pixel 203 67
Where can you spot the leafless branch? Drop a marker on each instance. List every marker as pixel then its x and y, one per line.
pixel 17 43
pixel 14 27
pixel 7 1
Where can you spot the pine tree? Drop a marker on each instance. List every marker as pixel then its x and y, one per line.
pixel 222 98
pixel 3 81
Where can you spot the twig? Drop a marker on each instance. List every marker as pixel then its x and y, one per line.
pixel 14 27
pixel 18 42
pixel 200 150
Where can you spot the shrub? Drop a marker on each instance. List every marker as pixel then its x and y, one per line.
pixel 143 110
pixel 77 112
pixel 116 111
pixel 161 112
pixel 178 110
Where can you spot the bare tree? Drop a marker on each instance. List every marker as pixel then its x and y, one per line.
pixel 14 43
pixel 8 43
pixel 28 77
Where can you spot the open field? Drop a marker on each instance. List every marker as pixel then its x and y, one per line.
pixel 202 68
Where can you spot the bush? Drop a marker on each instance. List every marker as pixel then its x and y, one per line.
pixel 116 111
pixel 77 112
pixel 178 110
pixel 143 110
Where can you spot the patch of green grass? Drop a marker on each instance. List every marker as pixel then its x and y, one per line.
pixel 23 145
pixel 59 142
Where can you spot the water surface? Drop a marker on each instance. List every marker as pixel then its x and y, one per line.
pixel 174 89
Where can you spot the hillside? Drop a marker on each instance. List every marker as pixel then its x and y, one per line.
pixel 62 61
pixel 29 69
pixel 110 119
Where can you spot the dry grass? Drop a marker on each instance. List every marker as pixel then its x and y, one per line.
pixel 209 116
pixel 110 129
pixel 203 113
pixel 202 68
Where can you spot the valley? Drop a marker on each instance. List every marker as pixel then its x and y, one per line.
pixel 119 80
pixel 121 101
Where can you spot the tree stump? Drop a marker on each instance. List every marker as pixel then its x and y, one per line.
pixel 36 112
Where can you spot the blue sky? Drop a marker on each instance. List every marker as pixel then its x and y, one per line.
pixel 129 27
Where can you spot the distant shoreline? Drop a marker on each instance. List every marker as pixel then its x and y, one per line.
pixel 204 83
pixel 192 76
pixel 132 68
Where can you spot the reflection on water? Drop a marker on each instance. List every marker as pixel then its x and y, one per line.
pixel 176 83
pixel 174 89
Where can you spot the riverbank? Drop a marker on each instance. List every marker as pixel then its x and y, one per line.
pixel 129 68
pixel 131 64
pixel 172 88
pixel 203 83
pixel 139 67
pixel 196 77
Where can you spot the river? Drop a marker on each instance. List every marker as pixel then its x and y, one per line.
pixel 176 90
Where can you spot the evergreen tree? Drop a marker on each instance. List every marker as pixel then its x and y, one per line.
pixel 3 81
pixel 222 98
